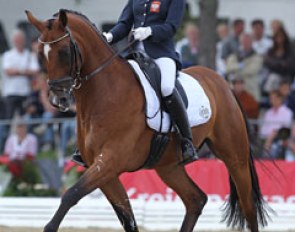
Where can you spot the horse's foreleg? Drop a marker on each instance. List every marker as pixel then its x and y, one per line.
pixel 95 176
pixel 192 196
pixel 117 196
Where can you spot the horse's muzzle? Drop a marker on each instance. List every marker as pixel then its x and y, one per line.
pixel 62 103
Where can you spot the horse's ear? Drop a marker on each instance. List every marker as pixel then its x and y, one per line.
pixel 63 18
pixel 34 21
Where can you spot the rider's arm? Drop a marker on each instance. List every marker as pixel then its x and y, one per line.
pixel 125 23
pixel 168 29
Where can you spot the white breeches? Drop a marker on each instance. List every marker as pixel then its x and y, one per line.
pixel 168 75
pixel 168 72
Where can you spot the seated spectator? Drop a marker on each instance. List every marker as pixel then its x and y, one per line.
pixel 67 132
pixel 290 153
pixel 3 132
pixel 45 131
pixel 276 117
pixel 20 147
pixel 246 64
pixel 222 31
pixel 33 106
pixel 288 94
pixel 232 43
pixel 247 101
pixel 189 51
pixel 279 61
pixel 279 144
pixel 261 43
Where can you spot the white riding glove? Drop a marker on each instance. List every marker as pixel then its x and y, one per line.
pixel 108 36
pixel 142 33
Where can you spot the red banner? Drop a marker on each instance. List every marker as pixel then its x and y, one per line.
pixel 277 181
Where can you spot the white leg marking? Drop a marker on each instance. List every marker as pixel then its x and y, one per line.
pixel 47 49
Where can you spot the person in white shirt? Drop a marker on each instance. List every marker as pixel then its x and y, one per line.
pixel 21 145
pixel 19 64
pixel 278 116
pixel 261 43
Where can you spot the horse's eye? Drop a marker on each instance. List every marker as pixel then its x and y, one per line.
pixel 64 55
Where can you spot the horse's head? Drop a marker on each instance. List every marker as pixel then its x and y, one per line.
pixel 59 51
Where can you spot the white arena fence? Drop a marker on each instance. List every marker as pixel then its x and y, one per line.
pixel 94 211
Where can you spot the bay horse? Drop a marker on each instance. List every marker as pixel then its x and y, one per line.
pixel 113 136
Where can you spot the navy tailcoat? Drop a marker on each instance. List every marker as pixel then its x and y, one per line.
pixel 164 18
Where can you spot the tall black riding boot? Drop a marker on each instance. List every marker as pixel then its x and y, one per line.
pixel 77 158
pixel 177 111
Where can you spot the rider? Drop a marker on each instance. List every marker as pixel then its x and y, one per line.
pixel 154 24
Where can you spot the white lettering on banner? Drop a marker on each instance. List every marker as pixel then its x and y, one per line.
pixel 170 196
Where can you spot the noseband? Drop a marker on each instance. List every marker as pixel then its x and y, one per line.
pixel 75 79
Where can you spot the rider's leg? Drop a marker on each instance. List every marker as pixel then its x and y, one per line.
pixel 176 108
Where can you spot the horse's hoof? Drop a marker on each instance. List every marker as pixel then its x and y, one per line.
pixel 49 228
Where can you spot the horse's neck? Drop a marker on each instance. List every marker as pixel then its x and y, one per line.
pixel 110 92
pixel 113 91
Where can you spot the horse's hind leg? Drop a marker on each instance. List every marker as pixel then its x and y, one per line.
pixel 95 176
pixel 117 196
pixel 192 196
pixel 234 151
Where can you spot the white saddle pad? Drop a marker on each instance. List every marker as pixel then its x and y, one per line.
pixel 199 110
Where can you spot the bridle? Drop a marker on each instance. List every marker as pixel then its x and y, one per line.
pixel 75 79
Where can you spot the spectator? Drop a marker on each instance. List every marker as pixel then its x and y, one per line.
pixel 279 61
pixel 261 43
pixel 20 147
pixel 18 66
pixel 276 117
pixel 290 153
pixel 222 31
pixel 288 94
pixel 33 106
pixel 189 51
pixel 279 146
pixel 276 25
pixel 246 64
pixel 247 101
pixel 67 132
pixel 49 112
pixel 2 127
pixel 232 44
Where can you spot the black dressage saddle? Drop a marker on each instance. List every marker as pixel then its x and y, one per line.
pixel 152 72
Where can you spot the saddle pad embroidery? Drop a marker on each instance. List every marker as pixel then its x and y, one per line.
pixel 199 110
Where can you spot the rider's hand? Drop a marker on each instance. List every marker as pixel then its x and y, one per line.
pixel 142 33
pixel 108 36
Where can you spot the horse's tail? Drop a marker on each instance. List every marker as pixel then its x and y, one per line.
pixel 233 212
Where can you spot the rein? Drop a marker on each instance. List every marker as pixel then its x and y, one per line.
pixel 75 76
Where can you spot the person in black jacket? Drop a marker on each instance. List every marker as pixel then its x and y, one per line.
pixel 154 24
pixel 279 61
